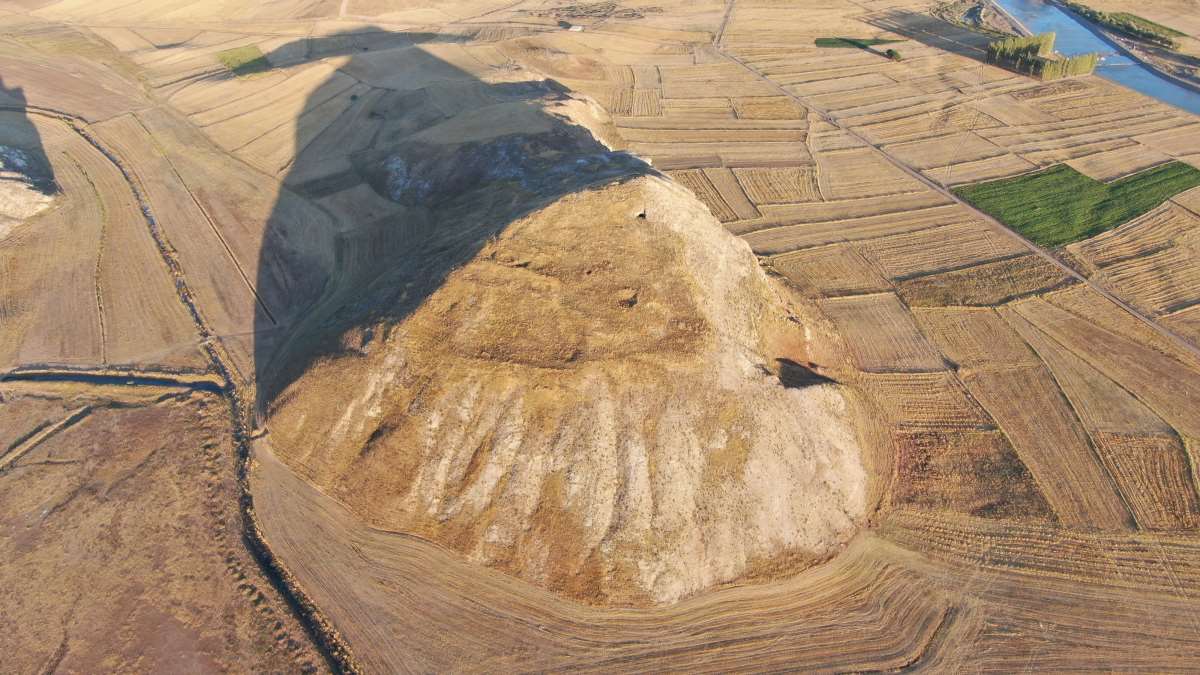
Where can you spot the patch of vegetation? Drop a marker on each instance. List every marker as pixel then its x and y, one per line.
pixel 1128 24
pixel 855 43
pixel 244 60
pixel 1035 56
pixel 1022 47
pixel 1059 205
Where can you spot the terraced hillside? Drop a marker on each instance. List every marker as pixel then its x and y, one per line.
pixel 596 336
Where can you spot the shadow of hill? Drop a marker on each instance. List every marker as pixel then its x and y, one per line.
pixel 931 31
pixel 422 173
pixel 22 156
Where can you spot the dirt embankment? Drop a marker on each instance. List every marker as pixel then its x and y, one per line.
pixel 980 15
pixel 1177 66
pixel 590 403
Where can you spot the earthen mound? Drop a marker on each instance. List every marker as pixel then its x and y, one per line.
pixel 589 403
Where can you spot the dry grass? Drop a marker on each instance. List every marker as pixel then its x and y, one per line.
pixel 881 334
pixel 983 285
pixel 782 185
pixel 132 491
pixel 1028 406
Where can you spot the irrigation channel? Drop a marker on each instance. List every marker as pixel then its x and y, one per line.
pixel 1075 37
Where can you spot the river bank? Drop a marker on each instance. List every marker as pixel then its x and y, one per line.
pixel 1123 63
pixel 1175 66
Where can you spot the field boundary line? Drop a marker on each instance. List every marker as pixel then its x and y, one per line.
pixel 325 636
pixel 212 225
pixel 955 268
pixel 1181 342
pixel 199 381
pixel 1076 416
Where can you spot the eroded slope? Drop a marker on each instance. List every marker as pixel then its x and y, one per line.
pixel 589 403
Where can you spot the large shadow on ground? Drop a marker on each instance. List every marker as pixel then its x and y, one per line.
pixel 22 155
pixel 932 31
pixel 450 159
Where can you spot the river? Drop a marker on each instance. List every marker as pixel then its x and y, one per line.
pixel 1076 38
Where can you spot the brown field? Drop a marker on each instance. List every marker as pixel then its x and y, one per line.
pixel 1028 406
pixel 983 285
pixel 881 334
pixel 829 271
pixel 1101 404
pixel 971 473
pixel 122 540
pixel 1185 322
pixel 779 216
pixel 1158 379
pixel 696 181
pixel 1111 165
pixel 925 401
pixel 1155 476
pixel 856 173
pixel 937 249
pixel 775 239
pixel 974 337
pixel 521 402
pixel 783 185
pixel 731 189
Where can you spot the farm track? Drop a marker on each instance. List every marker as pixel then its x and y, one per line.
pixel 324 635
pixel 1180 341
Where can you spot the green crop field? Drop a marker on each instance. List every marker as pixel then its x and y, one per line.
pixel 856 43
pixel 244 60
pixel 1059 205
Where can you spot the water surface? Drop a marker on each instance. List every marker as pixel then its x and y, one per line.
pixel 1075 38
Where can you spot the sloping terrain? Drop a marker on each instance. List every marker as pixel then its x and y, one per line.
pixel 556 412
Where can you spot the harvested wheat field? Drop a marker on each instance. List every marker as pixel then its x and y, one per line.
pixel 481 336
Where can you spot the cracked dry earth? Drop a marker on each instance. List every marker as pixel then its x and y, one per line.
pixel 553 411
